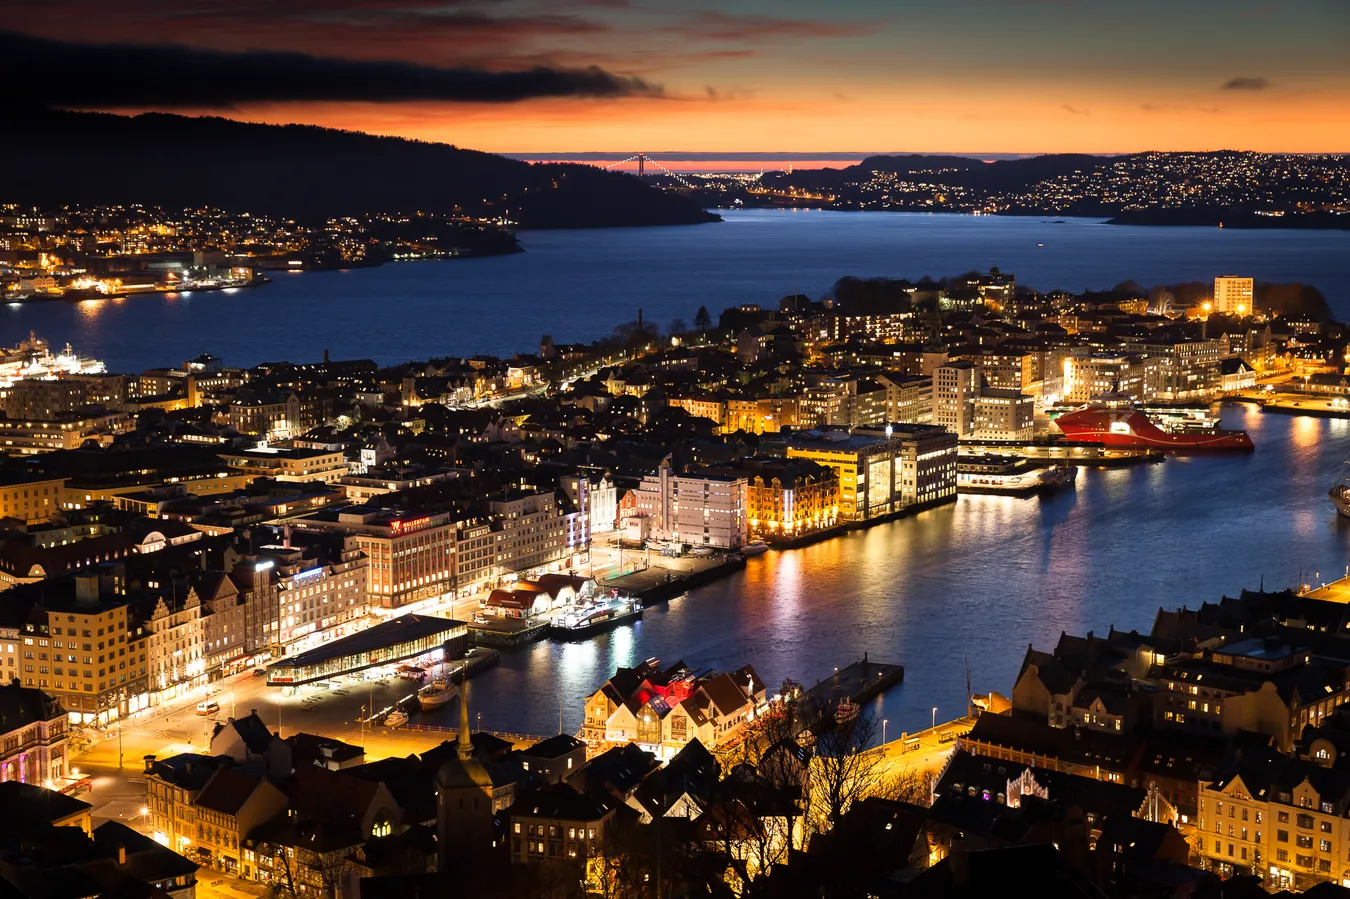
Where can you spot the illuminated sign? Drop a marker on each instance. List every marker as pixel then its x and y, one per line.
pixel 311 574
pixel 262 566
pixel 405 526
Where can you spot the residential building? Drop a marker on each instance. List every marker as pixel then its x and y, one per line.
pixel 1233 295
pixel 557 823
pixel 33 736
pixel 310 466
pixel 30 499
pixel 698 508
pixel 909 398
pixel 1004 415
pixel 790 498
pixel 955 388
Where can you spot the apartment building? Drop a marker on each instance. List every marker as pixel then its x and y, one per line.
pixel 292 464
pixel 956 385
pixel 1004 415
pixel 698 508
pixel 30 499
pixel 82 643
pixel 33 734
pixel 533 532
pixel 790 498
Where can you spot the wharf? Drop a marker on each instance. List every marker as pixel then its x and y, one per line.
pixel 661 584
pixel 857 683
pixel 1313 405
pixel 508 633
pixel 1063 452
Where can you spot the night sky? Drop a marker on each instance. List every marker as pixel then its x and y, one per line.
pixel 534 76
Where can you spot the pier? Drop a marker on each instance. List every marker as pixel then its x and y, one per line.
pixel 858 683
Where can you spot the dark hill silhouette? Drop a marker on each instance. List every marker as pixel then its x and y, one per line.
pixel 305 172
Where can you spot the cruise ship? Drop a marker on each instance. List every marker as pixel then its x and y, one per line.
pixel 1133 429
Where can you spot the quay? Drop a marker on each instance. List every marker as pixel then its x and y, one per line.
pixel 1314 405
pixel 1064 452
pixel 856 683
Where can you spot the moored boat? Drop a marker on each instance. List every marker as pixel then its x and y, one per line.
pixel 593 619
pixel 396 719
pixel 1130 428
pixel 754 548
pixel 1340 498
pixel 434 696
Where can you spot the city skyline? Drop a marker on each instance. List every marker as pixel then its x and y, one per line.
pixel 530 77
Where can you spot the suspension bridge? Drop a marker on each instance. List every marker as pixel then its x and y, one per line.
pixel 643 160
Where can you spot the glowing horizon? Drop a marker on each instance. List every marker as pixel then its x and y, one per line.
pixel 528 77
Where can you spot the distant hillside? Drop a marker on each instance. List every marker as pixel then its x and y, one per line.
pixel 305 172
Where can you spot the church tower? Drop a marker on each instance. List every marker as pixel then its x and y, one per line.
pixel 463 798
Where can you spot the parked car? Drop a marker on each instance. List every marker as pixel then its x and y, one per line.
pixel 260 672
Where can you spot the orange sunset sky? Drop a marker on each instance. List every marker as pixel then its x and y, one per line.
pixel 530 76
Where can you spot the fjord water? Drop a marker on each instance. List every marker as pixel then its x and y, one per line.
pixel 576 285
pixel 980 579
pixel 977 580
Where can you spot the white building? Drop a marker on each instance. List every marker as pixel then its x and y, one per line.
pixel 955 387
pixel 1233 295
pixel 699 509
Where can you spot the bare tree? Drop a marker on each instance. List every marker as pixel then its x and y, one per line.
pixel 844 768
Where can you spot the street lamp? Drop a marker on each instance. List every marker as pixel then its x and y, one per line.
pixel 934 718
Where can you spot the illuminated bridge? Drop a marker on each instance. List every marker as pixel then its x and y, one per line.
pixel 642 160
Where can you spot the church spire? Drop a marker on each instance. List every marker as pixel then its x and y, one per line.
pixel 465 743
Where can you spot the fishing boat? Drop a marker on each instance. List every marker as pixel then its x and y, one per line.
pixel 1340 497
pixel 396 719
pixel 434 696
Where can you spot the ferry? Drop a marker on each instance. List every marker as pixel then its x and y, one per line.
pixel 602 615
pixel 1131 428
pixel 1009 476
pixel 435 696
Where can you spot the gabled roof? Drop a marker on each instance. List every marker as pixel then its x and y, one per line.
pixel 554 747
pixel 228 791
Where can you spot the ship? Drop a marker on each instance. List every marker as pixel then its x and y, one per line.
pixel 436 695
pixel 1132 429
pixel 593 619
pixel 1340 497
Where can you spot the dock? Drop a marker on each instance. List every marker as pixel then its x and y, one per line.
pixel 508 633
pixel 857 683
pixel 1063 452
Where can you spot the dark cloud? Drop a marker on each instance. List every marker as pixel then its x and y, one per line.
pixel 103 76
pixel 1245 84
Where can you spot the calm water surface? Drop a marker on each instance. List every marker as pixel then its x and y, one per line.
pixel 979 580
pixel 576 285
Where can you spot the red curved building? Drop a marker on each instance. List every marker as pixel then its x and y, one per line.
pixel 1131 428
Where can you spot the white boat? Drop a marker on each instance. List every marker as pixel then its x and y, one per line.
pixel 395 719
pixel 1340 498
pixel 434 696
pixel 754 548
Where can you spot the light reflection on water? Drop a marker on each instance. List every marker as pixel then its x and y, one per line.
pixel 979 580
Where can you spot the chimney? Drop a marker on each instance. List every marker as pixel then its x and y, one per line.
pixel 325 357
